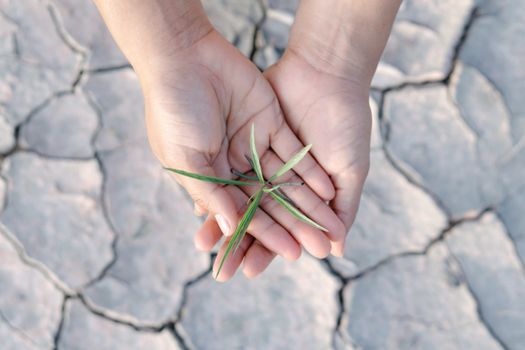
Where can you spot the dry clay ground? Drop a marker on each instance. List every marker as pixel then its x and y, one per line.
pixel 96 241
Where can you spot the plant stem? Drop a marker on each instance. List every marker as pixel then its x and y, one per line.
pixel 243 175
pixel 278 186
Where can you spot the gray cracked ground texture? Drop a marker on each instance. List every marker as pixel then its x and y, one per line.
pixel 96 244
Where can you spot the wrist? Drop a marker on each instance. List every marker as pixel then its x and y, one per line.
pixel 336 62
pixel 170 49
pixel 153 31
pixel 178 71
pixel 343 38
pixel 171 66
pixel 345 77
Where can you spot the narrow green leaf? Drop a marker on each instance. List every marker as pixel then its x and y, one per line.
pixel 283 196
pixel 253 208
pixel 255 156
pixel 240 231
pixel 244 176
pixel 284 184
pixel 296 212
pixel 291 163
pixel 249 160
pixel 212 179
pixel 278 186
pixel 253 195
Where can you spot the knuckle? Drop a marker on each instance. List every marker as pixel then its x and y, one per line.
pixel 271 225
pixel 294 225
pixel 267 202
pixel 308 167
pixel 313 207
pixel 266 159
pixel 292 191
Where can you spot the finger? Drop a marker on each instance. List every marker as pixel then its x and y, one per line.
pixel 208 235
pixel 306 200
pixel 257 259
pixel 198 210
pixel 348 187
pixel 286 144
pixel 233 261
pixel 269 233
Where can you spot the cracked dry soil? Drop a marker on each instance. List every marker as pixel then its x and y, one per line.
pixel 451 279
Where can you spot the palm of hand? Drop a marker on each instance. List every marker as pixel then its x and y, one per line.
pixel 198 111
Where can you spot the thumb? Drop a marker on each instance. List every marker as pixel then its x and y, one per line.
pixel 214 198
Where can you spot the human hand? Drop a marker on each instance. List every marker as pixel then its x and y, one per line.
pixel 200 104
pixel 334 115
pixel 323 82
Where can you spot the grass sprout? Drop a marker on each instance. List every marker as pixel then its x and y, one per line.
pixel 255 156
pixel 212 179
pixel 264 187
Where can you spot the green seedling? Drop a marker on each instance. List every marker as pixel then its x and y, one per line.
pixel 265 187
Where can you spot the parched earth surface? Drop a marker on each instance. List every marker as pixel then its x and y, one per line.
pixel 96 240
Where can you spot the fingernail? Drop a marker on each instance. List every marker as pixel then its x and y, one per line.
pixel 338 249
pixel 220 277
pixel 223 225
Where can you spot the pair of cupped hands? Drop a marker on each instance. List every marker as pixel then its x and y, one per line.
pixel 200 105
